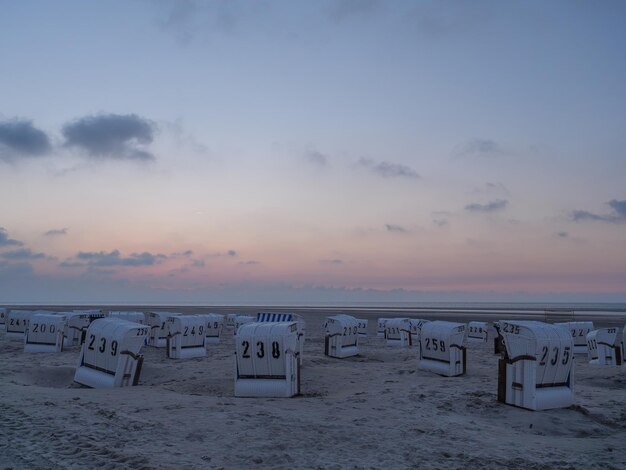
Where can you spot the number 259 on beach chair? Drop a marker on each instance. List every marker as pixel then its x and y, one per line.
pixel 442 348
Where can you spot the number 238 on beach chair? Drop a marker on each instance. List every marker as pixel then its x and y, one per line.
pixel 342 336
pixel 267 360
pixel 263 317
pixel 442 348
pixel 537 369
pixel 110 354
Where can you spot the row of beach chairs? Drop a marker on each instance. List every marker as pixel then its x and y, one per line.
pixel 535 370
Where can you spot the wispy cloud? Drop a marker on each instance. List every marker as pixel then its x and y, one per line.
pixel 22 254
pixel 481 148
pixel 331 261
pixel 395 228
pixel 618 214
pixel 316 158
pixel 113 258
pixel 388 170
pixel 55 232
pixel 20 138
pixel 492 206
pixel 111 136
pixel 6 241
pixel 342 10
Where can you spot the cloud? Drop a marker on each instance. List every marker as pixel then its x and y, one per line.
pixel 492 206
pixel 19 138
pixel 111 136
pixel 55 232
pixel 562 234
pixel 231 253
pixel 345 9
pixel 249 263
pixel 330 261
pixel 113 258
pixel 617 216
pixel 316 158
pixel 184 254
pixel 22 254
pixel 6 241
pixel 440 222
pixel 388 170
pixel 481 148
pixel 395 228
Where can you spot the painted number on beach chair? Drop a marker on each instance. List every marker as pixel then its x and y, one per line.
pixel 260 352
pixel 435 345
pixel 42 329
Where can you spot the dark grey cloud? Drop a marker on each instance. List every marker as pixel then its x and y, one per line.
pixel 249 263
pixel 56 232
pixel 315 157
pixel 184 254
pixel 618 214
pixel 562 234
pixel 231 253
pixel 481 148
pixel 395 228
pixel 13 271
pixel 113 258
pixel 341 10
pixel 6 241
pixel 19 138
pixel 22 254
pixel 111 136
pixel 388 170
pixel 492 206
pixel 331 261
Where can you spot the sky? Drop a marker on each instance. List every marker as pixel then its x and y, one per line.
pixel 296 151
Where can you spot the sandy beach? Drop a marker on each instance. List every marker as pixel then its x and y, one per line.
pixel 376 410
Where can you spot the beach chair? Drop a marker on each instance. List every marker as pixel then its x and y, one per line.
pixel 624 349
pixel 605 347
pixel 537 370
pixel 362 328
pixel 137 317
pixel 229 321
pixel 267 360
pixel 341 337
pixel 158 324
pixel 186 337
pixel 380 327
pixel 213 328
pixel 579 331
pixel 241 320
pixel 498 347
pixel 398 332
pixel 289 317
pixel 416 325
pixel 17 322
pixel 442 348
pixel 3 316
pixel 110 355
pixel 477 332
pixel 44 333
pixel 77 323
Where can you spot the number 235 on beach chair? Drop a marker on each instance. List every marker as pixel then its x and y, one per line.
pixel 537 369
pixel 110 354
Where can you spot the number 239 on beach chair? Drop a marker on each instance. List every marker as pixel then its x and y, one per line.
pixel 45 333
pixel 267 360
pixel 342 336
pixel 110 355
pixel 442 348
pixel 186 337
pixel 537 369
